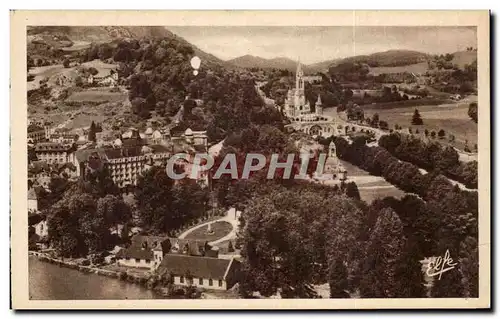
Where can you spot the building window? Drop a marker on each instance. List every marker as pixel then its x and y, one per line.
pixel 210 282
pixel 148 261
pixel 126 258
pixel 200 281
pixel 182 280
pixel 220 283
pixel 137 260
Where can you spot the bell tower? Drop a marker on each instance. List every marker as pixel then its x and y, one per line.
pixel 319 106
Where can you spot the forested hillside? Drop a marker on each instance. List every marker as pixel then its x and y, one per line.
pixel 160 77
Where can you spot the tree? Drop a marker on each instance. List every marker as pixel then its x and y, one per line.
pixel 92 132
pixel 417 119
pixel 124 234
pixel 375 120
pixel 450 285
pixel 165 206
pixel 433 134
pixel 66 63
pixel 383 125
pixel 114 210
pixel 352 190
pixel 473 111
pixel 426 132
pixel 384 251
pixel 337 280
pixel 281 250
pixel 409 274
pixel 469 267
pixel 441 133
pixel 230 247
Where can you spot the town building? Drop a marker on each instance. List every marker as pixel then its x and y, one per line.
pixel 32 201
pixel 55 152
pixel 148 251
pixel 204 272
pixel 38 133
pixel 63 137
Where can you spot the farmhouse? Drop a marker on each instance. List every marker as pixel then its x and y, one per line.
pixel 149 251
pixel 106 77
pixel 205 272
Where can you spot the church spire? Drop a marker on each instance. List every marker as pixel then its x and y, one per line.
pixel 318 102
pixel 299 68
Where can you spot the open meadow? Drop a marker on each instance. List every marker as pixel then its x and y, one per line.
pixel 452 118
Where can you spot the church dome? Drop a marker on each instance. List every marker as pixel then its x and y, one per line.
pixel 188 132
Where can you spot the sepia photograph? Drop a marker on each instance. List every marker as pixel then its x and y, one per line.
pixel 192 165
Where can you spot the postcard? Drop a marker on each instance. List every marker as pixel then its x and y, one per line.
pixel 245 159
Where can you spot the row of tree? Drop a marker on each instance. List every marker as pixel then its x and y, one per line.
pixel 431 156
pixel 295 238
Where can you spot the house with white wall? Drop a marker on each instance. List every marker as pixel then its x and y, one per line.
pixel 203 272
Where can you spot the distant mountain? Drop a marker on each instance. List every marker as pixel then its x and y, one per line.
pixel 321 66
pixel 388 58
pixel 250 61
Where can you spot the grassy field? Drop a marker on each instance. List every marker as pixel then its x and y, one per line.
pixel 96 95
pixel 102 67
pixel 452 118
pixel 418 68
pixel 77 46
pixel 220 229
pixel 371 190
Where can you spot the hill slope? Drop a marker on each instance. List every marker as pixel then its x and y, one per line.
pixel 461 58
pixel 49 38
pixel 388 58
pixel 250 61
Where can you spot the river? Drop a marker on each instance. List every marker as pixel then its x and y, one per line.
pixel 51 282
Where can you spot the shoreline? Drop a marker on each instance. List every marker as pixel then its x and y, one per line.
pixel 122 276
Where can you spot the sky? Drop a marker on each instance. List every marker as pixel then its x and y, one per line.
pixel 316 44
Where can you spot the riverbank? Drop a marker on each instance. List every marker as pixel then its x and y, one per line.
pixel 147 280
pixel 49 281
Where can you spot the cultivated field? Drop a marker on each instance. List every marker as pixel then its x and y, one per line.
pixel 452 118
pixel 41 73
pixel 95 95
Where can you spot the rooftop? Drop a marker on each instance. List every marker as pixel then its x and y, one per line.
pixel 50 146
pixel 198 267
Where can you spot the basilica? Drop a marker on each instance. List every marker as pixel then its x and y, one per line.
pixel 296 105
